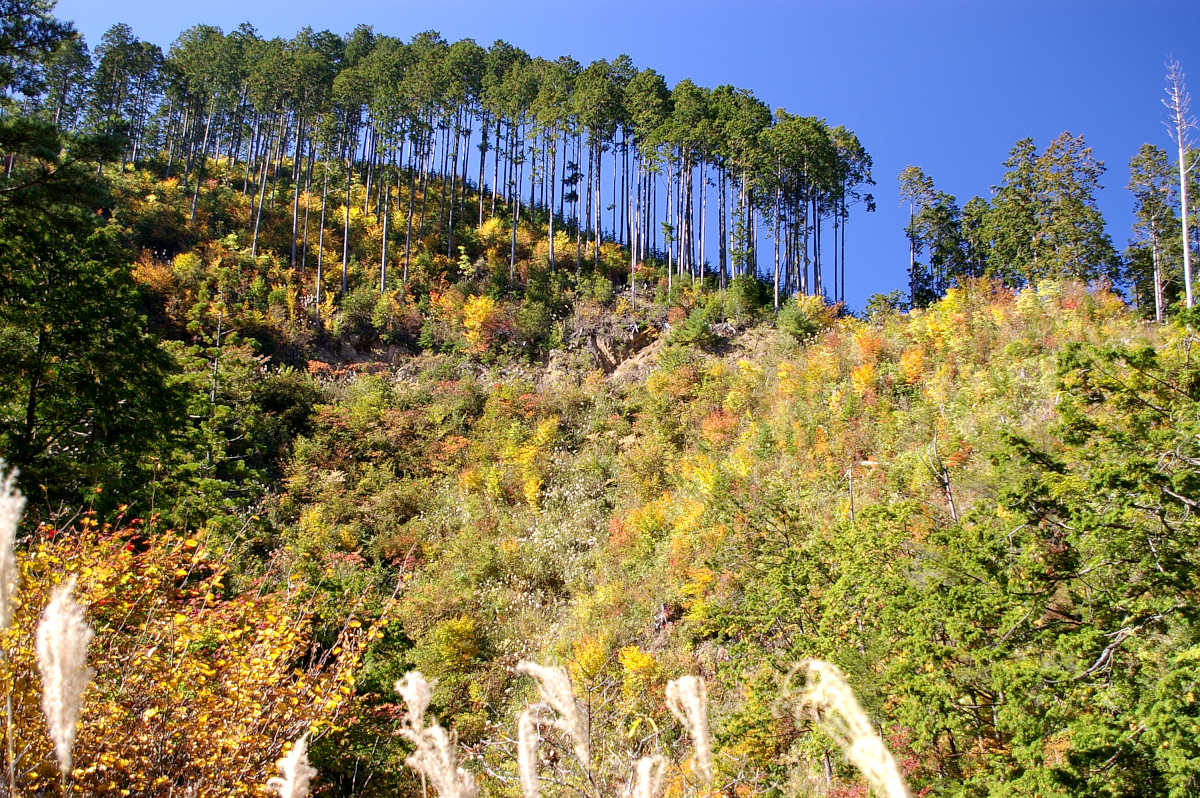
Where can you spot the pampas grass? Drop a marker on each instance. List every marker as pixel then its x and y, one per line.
pixel 12 504
pixel 556 692
pixel 62 640
pixel 528 737
pixel 295 773
pixel 830 701
pixel 434 757
pixel 688 702
pixel 648 777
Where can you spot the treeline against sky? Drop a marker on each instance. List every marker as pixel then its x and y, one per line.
pixel 607 150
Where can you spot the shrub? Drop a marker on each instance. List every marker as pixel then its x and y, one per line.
pixel 745 297
pixel 805 316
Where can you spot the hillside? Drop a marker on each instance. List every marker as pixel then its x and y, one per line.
pixel 331 359
pixel 980 511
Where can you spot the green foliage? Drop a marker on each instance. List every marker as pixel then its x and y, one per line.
pixel 745 297
pixel 696 328
pixel 803 317
pixel 83 395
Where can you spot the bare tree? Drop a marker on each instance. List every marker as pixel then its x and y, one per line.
pixel 1180 124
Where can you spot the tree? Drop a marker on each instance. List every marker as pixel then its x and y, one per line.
pixel 976 244
pixel 66 76
pixel 1150 181
pixel 1044 220
pixel 83 385
pixel 1012 222
pixel 1181 124
pixel 936 228
pixel 1070 239
pixel 28 35
pixel 916 189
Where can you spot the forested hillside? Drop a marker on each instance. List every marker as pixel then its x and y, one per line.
pixel 327 359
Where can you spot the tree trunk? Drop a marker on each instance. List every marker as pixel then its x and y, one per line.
pixel 516 221
pixel 1187 242
pixel 346 225
pixel 321 240
pixel 722 237
pixel 200 168
pixel 387 204
pixel 412 196
pixel 778 197
pixel 553 144
pixel 262 188
pixel 296 189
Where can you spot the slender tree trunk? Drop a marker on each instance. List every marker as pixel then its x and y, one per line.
pixel 598 229
pixel 262 188
pixel 369 165
pixel 553 153
pixel 670 229
pixel 778 198
pixel 483 153
pixel 346 225
pixel 387 204
pixel 1156 254
pixel 307 203
pixel 516 221
pixel 495 173
pixel 200 167
pixel 427 168
pixel 296 190
pixel 453 183
pixel 634 197
pixel 703 214
pixel 321 239
pixel 1187 241
pixel 412 195
pixel 842 242
pixel 444 175
pixel 722 233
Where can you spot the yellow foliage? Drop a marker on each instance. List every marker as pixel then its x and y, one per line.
pixel 477 311
pixel 589 655
pixel 531 489
pixel 788 376
pixel 470 479
pixel 189 687
pixel 912 364
pixel 493 231
pixel 153 274
pixel 640 668
pixel 863 377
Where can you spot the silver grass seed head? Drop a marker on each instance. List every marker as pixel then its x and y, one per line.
pixel 415 691
pixel 434 758
pixel 648 777
pixel 528 737
pixel 828 697
pixel 12 504
pixel 295 774
pixel 555 687
pixel 688 702
pixel 63 635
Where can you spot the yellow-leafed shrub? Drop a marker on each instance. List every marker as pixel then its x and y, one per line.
pixel 191 686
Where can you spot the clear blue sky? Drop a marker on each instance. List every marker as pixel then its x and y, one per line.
pixel 949 86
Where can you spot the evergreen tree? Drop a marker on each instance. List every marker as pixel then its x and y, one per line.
pixel 1071 240
pixel 1152 255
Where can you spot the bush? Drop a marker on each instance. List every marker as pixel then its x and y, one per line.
pixel 803 317
pixel 745 297
pixel 696 329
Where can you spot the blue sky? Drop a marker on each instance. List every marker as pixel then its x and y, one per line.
pixel 948 86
